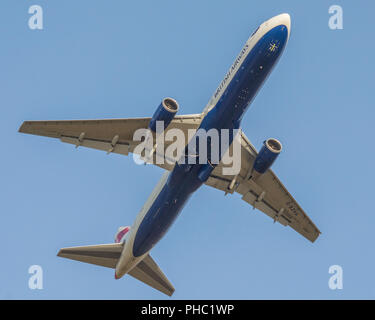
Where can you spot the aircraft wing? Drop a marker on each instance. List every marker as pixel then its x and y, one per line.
pixel 267 193
pixel 110 135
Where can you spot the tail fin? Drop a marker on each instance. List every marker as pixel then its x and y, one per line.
pixel 121 234
pixel 107 255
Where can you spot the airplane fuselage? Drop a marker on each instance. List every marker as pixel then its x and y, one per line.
pixel 225 110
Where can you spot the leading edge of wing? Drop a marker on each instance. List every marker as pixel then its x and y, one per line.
pixel 46 127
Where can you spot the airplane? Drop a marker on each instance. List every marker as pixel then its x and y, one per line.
pixel 255 181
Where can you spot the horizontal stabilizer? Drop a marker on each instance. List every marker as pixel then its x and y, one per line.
pixel 149 272
pixel 105 255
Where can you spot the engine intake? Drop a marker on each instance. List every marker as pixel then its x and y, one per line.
pixel 165 112
pixel 267 155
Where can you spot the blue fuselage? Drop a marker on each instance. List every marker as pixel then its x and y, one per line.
pixel 234 98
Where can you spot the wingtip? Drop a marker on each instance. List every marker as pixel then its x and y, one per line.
pixel 61 253
pixel 26 127
pixel 169 293
pixel 317 236
pixel 21 129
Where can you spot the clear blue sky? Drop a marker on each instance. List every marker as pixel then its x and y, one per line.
pixel 118 59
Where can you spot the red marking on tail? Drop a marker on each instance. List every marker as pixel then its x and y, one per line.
pixel 120 235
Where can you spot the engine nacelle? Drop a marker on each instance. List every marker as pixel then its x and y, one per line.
pixel 266 156
pixel 121 233
pixel 165 112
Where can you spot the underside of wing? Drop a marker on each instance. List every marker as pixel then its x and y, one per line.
pixel 266 193
pixel 109 135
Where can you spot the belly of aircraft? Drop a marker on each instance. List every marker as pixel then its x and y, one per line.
pixel 180 186
pixel 227 114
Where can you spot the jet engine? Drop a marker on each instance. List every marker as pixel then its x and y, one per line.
pixel 165 112
pixel 267 155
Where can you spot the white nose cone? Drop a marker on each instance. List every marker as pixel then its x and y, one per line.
pixel 284 19
pixel 281 19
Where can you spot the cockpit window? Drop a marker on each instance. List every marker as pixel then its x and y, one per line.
pixel 255 31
